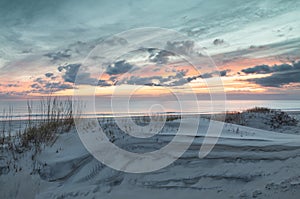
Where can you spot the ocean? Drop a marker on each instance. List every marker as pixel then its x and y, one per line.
pixel 106 108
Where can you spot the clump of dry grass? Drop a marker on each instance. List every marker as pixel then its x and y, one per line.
pixel 260 110
pixel 57 117
pixel 173 117
pixel 6 131
pixel 156 117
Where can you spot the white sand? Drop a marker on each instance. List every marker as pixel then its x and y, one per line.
pixel 245 163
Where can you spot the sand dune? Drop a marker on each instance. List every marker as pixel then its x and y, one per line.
pixel 245 163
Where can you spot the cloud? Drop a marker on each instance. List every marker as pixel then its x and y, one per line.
pixel 119 67
pixel 153 80
pixel 60 55
pixel 171 49
pixel 218 42
pixel 260 69
pixel 206 75
pixel 71 71
pixel 49 74
pixel 265 69
pixel 180 47
pixel 40 80
pixel 156 80
pixel 160 57
pixel 71 74
pixel 278 79
pixel 179 78
pixel 280 74
pixel 221 73
pixel 43 86
pixel 58 86
pixel 103 83
pixel 12 85
pixel 36 86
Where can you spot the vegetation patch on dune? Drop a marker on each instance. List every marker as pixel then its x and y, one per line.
pixel 259 117
pixel 57 117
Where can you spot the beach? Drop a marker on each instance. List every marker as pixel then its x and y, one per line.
pixel 246 162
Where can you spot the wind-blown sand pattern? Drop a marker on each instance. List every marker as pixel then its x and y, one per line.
pixel 246 163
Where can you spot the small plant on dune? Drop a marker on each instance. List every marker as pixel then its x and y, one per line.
pixel 259 110
pixel 282 119
pixel 6 131
pixel 2 136
pixel 57 117
pixel 235 118
pixel 172 117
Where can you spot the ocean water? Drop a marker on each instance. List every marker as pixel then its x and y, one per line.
pixel 108 108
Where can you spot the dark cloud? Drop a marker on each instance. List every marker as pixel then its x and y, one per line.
pixel 218 42
pixel 183 80
pixel 179 82
pixel 36 86
pixel 71 74
pixel 51 87
pixel 177 79
pixel 49 74
pixel 40 80
pixel 180 47
pixel 9 85
pixel 57 86
pixel 265 69
pixel 260 69
pixel 152 80
pixel 171 49
pixel 282 67
pixel 71 71
pixel 189 79
pixel 45 87
pixel 278 79
pixel 85 78
pixel 223 73
pixel 60 55
pixel 181 73
pixel 113 78
pixel 119 67
pixel 103 83
pixel 160 57
pixel 12 85
pixel 280 74
pixel 207 75
pixel 296 65
pixel 172 80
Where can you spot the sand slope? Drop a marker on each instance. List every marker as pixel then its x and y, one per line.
pixel 245 163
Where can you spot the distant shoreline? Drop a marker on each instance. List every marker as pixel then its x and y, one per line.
pixel 123 115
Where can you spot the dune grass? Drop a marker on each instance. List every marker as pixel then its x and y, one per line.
pixel 57 117
pixel 272 117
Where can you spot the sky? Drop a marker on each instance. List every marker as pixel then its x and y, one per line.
pixel 252 46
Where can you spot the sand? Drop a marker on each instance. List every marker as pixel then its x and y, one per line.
pixel 246 162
